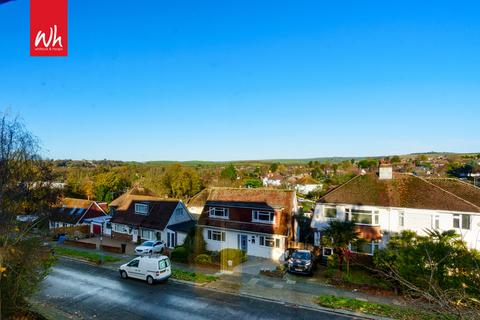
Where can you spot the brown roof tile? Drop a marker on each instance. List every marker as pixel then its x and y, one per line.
pixel 406 191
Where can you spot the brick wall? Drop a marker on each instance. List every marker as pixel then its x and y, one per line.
pixel 121 236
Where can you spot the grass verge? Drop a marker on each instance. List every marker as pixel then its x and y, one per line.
pixel 85 255
pixel 377 309
pixel 192 276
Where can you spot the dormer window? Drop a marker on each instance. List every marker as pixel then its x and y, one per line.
pixel 221 213
pixel 263 216
pixel 141 208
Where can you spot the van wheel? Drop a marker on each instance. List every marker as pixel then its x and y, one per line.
pixel 149 280
pixel 124 275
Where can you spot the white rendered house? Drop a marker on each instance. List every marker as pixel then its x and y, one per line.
pixel 388 203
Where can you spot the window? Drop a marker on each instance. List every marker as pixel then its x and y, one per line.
pixel 218 213
pixel 253 240
pixel 141 208
pixel 401 219
pixel 436 222
pixel 461 221
pixel 330 212
pixel 120 228
pixel 263 216
pixel 364 216
pixel 366 248
pixel 162 264
pixel 216 235
pixel 133 263
pixel 269 242
pixel 147 234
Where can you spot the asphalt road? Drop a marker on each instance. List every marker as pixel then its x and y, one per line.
pixel 100 293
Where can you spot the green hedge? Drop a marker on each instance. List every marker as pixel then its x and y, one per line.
pixel 203 259
pixel 179 254
pixel 235 255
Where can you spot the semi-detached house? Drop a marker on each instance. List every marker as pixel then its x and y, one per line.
pixel 386 203
pixel 257 221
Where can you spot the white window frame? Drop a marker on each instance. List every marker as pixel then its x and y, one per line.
pixel 213 213
pixel 374 246
pixel 141 208
pixel 325 208
pixel 216 235
pixel 460 218
pixel 269 242
pixel 436 221
pixel 375 214
pixel 150 233
pixel 120 228
pixel 257 213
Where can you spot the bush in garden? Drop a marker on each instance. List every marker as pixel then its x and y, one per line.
pixel 203 259
pixel 179 254
pixel 230 254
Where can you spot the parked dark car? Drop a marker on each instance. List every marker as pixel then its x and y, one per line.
pixel 301 261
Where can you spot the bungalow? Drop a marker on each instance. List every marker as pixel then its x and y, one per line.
pixel 257 221
pixel 138 215
pixel 73 212
pixel 390 202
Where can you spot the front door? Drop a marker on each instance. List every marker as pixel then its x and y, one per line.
pixel 171 239
pixel 243 242
pixel 135 235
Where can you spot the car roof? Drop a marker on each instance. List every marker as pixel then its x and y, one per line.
pixel 303 251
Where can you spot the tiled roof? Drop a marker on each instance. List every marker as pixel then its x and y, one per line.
pixel 281 201
pixel 159 213
pixel 406 191
pixel 136 193
pixel 70 210
pixel 184 227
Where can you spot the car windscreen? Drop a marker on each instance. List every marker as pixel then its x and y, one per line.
pixel 301 255
pixel 147 244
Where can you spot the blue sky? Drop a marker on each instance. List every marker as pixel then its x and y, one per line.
pixel 228 80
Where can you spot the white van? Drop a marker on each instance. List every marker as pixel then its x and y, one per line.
pixel 149 268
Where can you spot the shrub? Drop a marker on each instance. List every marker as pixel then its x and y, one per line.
pixel 179 254
pixel 235 255
pixel 194 243
pixel 203 259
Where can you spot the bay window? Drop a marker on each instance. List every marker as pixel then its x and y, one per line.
pixel 359 216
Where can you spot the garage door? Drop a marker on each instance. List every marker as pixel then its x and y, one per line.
pixel 97 229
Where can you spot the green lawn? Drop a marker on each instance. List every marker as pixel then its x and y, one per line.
pixel 86 255
pixel 377 309
pixel 192 276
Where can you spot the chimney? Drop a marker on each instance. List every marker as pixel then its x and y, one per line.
pixel 385 171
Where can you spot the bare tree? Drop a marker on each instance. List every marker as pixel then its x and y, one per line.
pixel 25 188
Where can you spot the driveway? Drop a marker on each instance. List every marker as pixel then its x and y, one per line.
pixel 91 292
pixel 254 264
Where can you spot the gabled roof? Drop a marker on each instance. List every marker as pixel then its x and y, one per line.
pixel 406 191
pixel 136 193
pixel 184 227
pixel 159 213
pixel 71 210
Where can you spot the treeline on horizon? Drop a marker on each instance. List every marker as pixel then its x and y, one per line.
pixel 104 180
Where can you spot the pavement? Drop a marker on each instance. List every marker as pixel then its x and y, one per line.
pixel 88 292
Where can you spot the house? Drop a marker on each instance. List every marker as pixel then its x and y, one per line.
pixel 306 184
pixel 100 226
pixel 386 203
pixel 138 215
pixel 73 212
pixel 272 179
pixel 257 221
